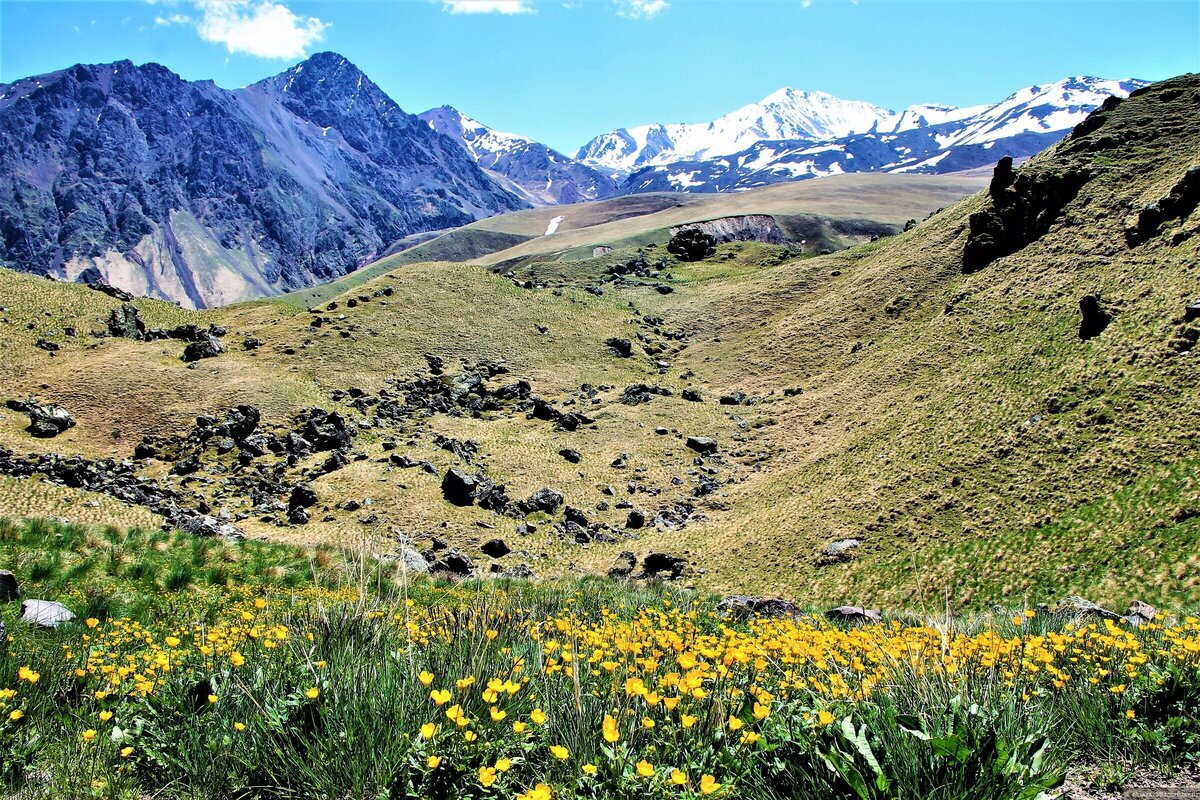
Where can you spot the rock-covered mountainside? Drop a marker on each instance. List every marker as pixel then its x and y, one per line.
pixel 190 192
pixel 532 170
pixel 793 135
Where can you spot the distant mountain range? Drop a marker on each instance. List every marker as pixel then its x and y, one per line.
pixel 792 135
pixel 190 192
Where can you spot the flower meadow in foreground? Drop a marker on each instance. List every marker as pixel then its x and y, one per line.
pixel 309 694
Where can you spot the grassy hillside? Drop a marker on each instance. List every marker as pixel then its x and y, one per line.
pixel 954 424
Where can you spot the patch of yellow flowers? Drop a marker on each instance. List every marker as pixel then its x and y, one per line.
pixel 667 683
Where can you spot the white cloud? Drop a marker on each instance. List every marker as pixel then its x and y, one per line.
pixel 641 9
pixel 174 19
pixel 265 29
pixel 261 28
pixel 488 6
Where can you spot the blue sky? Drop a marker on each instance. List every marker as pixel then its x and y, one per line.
pixel 562 71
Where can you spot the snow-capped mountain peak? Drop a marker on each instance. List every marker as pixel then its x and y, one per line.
pixel 784 114
pixel 792 121
pixel 479 139
pixel 541 175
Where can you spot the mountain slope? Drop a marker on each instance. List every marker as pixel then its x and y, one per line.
pixel 189 192
pixel 997 405
pixel 529 169
pixel 793 135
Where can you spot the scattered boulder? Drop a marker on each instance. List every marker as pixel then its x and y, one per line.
pixel 1095 318
pixel 635 520
pixel 662 565
pixel 838 551
pixel 126 323
pixel 692 396
pixel 496 548
pixel 520 572
pixel 47 421
pixel 853 614
pixel 1191 311
pixel 9 589
pixel 204 525
pixel 572 514
pixel 624 566
pixel 570 455
pixel 704 445
pixel 1137 613
pixel 453 562
pixel 47 345
pixel 742 607
pixel 208 346
pixel 328 430
pixel 620 347
pixel 45 613
pixel 459 488
pixel 1075 606
pixel 302 496
pixel 639 393
pixel 733 399
pixel 545 499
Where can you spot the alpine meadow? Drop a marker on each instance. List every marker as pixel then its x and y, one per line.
pixel 819 450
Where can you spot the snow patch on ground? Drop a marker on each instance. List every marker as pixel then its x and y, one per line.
pixel 553 226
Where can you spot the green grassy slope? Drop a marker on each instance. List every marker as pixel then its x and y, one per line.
pixel 955 424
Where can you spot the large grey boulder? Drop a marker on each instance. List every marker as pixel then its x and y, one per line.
pixel 45 613
pixel 47 421
pixel 204 525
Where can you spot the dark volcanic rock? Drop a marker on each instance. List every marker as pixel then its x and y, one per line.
pixel 126 323
pixel 853 614
pixel 208 346
pixel 662 565
pixel 204 525
pixel 328 430
pixel 704 445
pixel 9 589
pixel 1022 209
pixel 620 347
pixel 459 488
pixel 453 562
pixel 545 499
pixel 496 548
pixel 635 520
pixel 570 455
pixel 1177 204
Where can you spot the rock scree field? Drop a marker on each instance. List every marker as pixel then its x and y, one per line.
pixel 520 525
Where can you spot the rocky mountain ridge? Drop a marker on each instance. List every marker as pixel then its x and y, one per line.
pixel 186 191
